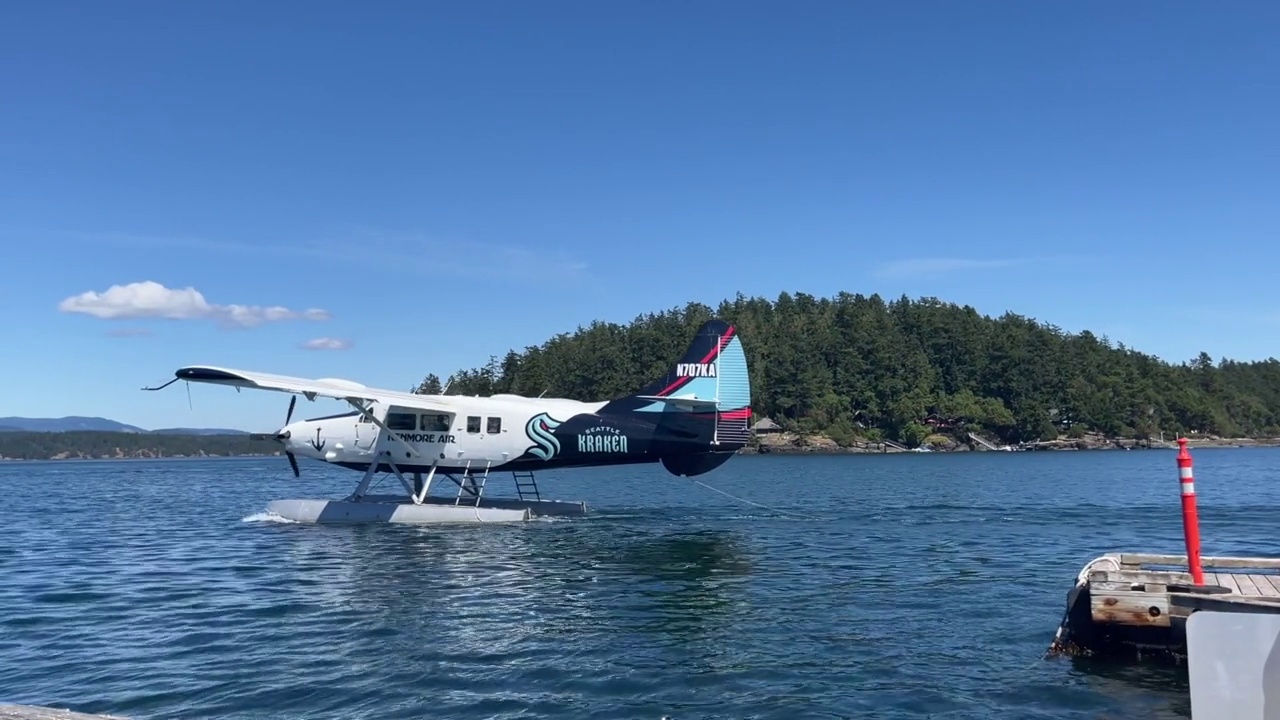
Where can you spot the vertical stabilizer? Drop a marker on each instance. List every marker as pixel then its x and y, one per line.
pixel 712 370
pixel 714 367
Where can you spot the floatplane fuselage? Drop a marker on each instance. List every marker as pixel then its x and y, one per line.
pixel 691 421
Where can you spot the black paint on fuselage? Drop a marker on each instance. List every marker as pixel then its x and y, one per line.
pixel 682 442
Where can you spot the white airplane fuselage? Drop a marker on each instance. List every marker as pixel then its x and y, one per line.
pixel 482 432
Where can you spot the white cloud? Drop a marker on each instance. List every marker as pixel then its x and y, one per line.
pixel 152 300
pixel 326 343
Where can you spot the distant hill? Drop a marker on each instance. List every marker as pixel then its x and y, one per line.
pixel 94 444
pixel 198 431
pixel 97 424
pixel 66 424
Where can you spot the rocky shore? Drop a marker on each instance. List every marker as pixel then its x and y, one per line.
pixel 786 442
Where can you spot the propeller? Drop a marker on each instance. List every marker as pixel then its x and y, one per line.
pixel 281 435
pixel 293 461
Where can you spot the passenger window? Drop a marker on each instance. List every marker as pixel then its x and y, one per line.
pixel 473 424
pixel 402 421
pixel 435 423
pixel 495 425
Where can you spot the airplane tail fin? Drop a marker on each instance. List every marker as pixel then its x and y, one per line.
pixel 713 370
pixel 704 397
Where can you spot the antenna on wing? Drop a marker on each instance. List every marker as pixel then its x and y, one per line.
pixel 161 387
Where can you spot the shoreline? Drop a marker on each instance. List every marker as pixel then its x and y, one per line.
pixel 80 458
pixel 791 444
pixel 795 444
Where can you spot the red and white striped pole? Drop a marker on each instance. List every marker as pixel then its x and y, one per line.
pixel 1190 522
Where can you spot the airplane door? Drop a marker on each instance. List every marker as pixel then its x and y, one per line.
pixel 366 433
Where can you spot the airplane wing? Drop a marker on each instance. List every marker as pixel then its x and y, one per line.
pixel 352 392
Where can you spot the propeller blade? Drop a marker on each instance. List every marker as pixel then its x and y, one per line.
pixel 289 416
pixel 293 462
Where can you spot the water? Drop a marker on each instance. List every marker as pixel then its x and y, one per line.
pixel 903 586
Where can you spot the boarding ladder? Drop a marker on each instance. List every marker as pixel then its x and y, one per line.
pixel 526 485
pixel 470 486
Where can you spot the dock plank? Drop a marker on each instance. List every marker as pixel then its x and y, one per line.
pixel 1141 576
pixel 1246 585
pixel 1208 561
pixel 1131 607
pixel 1274 580
pixel 1228 580
pixel 1265 587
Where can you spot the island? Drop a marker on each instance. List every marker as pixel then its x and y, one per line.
pixel 858 373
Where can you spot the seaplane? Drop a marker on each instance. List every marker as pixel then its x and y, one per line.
pixel 692 420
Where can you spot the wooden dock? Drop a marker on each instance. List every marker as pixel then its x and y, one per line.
pixel 1136 605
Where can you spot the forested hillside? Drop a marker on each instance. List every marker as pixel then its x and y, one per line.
pixel 107 444
pixel 854 366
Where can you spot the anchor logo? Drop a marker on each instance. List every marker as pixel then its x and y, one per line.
pixel 318 444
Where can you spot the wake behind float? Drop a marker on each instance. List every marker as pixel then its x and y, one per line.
pixel 692 420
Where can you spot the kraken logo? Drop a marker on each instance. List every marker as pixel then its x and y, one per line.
pixel 539 430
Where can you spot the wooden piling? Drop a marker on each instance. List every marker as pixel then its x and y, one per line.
pixel 1136 605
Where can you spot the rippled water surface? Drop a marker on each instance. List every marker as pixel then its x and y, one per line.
pixel 903 586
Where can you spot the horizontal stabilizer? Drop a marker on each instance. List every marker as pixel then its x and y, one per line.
pixel 689 402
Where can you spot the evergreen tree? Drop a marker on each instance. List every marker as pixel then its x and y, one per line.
pixel 429 385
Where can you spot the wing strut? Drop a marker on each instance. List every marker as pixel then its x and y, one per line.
pixel 365 411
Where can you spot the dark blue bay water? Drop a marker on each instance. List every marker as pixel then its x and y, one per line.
pixel 919 586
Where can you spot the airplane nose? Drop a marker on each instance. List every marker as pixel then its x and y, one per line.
pixel 290 439
pixel 285 436
pixel 302 439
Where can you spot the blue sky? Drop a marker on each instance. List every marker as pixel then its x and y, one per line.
pixel 444 182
